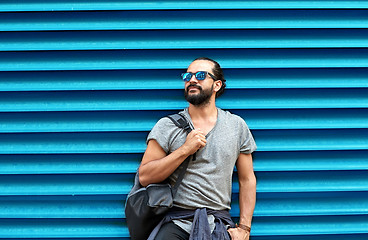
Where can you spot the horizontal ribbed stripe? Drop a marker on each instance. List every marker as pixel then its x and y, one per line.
pixel 62 228
pixel 169 79
pixel 72 143
pixel 65 184
pixel 37 5
pixel 174 100
pixel 296 140
pixel 182 19
pixel 183 39
pixel 62 209
pixel 109 121
pixel 314 160
pixel 80 121
pixel 343 205
pixel 309 225
pixel 310 181
pixel 305 118
pixel 134 142
pixel 69 163
pixel 179 59
pixel 102 184
pixel 128 163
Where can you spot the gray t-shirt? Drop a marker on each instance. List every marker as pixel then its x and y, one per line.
pixel 208 180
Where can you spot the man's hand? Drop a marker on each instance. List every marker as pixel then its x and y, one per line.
pixel 195 141
pixel 238 234
pixel 156 165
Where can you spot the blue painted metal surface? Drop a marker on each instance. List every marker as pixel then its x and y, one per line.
pixel 179 59
pixel 92 5
pixel 79 83
pixel 183 39
pixel 182 19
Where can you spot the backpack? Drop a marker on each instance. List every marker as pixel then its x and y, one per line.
pixel 145 207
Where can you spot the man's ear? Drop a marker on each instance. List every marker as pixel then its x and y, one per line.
pixel 218 85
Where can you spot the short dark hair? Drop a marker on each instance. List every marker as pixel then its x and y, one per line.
pixel 217 72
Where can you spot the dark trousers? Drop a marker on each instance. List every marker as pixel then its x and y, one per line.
pixel 171 231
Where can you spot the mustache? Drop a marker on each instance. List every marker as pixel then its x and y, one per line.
pixel 194 85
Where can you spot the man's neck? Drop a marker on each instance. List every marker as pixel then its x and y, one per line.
pixel 205 112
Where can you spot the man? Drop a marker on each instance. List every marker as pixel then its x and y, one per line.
pixel 220 141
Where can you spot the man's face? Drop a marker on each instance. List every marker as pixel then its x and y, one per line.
pixel 199 92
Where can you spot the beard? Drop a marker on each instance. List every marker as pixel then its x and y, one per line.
pixel 198 99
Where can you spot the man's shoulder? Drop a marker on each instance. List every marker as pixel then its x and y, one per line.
pixel 229 116
pixel 166 122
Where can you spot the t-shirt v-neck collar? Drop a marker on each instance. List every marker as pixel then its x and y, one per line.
pixel 192 125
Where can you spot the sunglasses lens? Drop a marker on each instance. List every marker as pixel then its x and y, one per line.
pixel 201 75
pixel 186 76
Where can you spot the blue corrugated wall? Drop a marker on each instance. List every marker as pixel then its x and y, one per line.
pixel 82 83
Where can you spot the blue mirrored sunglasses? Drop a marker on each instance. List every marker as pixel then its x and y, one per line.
pixel 200 75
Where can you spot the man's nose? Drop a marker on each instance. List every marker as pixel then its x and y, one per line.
pixel 193 79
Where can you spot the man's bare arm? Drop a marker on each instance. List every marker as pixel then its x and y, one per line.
pixel 156 166
pixel 247 194
pixel 247 188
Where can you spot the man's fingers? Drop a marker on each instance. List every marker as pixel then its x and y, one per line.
pixel 201 140
pixel 196 139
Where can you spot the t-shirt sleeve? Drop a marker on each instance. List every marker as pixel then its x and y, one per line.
pixel 248 144
pixel 162 132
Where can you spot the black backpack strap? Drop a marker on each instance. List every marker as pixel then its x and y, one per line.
pixel 181 122
pixel 180 176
